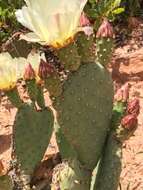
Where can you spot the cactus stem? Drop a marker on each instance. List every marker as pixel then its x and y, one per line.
pixel 32 89
pixel 14 97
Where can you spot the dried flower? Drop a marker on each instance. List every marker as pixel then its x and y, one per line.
pixel 129 121
pixel 105 30
pixel 133 106
pixel 45 69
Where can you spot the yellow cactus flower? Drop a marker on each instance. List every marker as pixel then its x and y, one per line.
pixel 13 69
pixel 52 22
pixel 7 72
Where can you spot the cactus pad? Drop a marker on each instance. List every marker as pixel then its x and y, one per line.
pixel 32 132
pixel 104 48
pixel 85 47
pixel 85 110
pixel 69 57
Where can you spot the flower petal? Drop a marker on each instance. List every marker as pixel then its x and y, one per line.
pixel 31 37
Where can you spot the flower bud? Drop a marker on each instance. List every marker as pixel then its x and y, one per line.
pixel 129 121
pixel 105 30
pixel 84 21
pixel 122 94
pixel 29 73
pixel 133 106
pixel 45 69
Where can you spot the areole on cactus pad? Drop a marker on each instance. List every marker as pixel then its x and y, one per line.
pixel 84 111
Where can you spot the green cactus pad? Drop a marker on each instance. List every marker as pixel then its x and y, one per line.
pixel 85 47
pixel 108 174
pixel 32 132
pixel 71 176
pixel 5 183
pixel 104 48
pixel 109 170
pixel 65 148
pixel 85 110
pixel 69 57
pixel 53 85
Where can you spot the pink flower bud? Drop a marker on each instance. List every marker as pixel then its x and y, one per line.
pixel 129 121
pixel 133 106
pixel 84 21
pixel 29 73
pixel 45 69
pixel 122 94
pixel 105 30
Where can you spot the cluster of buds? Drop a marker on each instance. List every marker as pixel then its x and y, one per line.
pixel 131 107
pixel 130 120
pixel 105 30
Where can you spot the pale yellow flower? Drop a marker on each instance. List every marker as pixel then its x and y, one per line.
pixel 7 72
pixel 52 22
pixel 13 69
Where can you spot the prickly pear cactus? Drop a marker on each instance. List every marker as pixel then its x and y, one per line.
pixel 85 46
pixel 104 42
pixel 32 132
pixel 84 111
pixel 69 57
pixel 104 48
pixel 110 167
pixel 65 148
pixel 70 176
pixel 54 85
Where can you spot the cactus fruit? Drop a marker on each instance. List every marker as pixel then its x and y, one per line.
pixel 104 43
pixel 104 48
pixel 32 132
pixel 84 111
pixel 70 175
pixel 85 47
pixel 69 57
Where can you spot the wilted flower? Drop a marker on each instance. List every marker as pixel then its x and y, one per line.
pixel 133 106
pixel 105 30
pixel 29 73
pixel 52 22
pixel 45 69
pixel 129 121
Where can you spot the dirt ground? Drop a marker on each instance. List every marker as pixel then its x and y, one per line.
pixel 126 67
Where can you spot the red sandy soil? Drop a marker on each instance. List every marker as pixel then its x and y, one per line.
pixel 126 67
